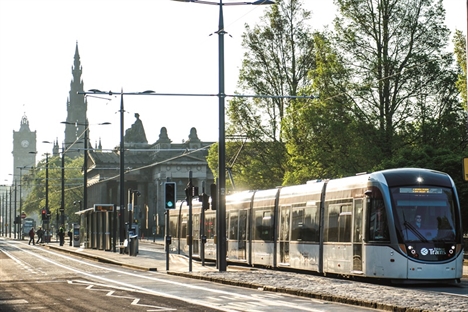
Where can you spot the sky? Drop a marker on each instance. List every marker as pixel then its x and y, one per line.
pixel 129 45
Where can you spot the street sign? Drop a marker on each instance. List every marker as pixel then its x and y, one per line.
pixel 104 207
pixel 23 215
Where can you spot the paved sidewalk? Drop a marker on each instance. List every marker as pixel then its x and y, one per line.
pixel 370 295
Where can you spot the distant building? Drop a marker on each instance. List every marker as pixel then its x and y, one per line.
pixel 147 165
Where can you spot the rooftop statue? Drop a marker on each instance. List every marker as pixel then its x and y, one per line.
pixel 136 134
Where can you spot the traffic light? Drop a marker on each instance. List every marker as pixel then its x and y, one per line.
pixel 204 198
pixel 44 214
pixel 169 195
pixel 214 196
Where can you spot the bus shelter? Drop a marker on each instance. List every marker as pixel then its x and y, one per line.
pixel 98 227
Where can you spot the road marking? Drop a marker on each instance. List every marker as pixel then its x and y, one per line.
pixel 23 264
pixel 12 301
pixel 265 300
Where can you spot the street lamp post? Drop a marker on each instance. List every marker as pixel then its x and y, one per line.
pixel 221 209
pixel 122 177
pixel 9 222
pixel 62 184
pixel 14 215
pixel 47 197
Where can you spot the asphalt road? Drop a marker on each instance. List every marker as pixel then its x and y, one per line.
pixel 37 278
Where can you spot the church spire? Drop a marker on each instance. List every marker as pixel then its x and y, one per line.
pixel 77 105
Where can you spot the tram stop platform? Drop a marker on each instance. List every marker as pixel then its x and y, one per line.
pixel 151 257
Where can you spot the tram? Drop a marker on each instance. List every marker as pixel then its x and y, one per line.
pixel 360 226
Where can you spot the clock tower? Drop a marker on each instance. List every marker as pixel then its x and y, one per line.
pixel 24 142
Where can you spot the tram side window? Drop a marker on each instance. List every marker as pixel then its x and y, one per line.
pixel 344 221
pixel 312 223
pixel 332 212
pixel 184 232
pixel 243 225
pixel 263 225
pixel 173 226
pixel 338 223
pixel 196 226
pixel 233 226
pixel 210 226
pixel 297 224
pixel 378 227
pixel 305 224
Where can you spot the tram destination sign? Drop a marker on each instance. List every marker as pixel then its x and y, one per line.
pixel 104 207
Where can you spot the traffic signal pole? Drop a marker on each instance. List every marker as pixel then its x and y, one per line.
pixel 189 237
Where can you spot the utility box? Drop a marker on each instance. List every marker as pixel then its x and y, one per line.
pixel 76 235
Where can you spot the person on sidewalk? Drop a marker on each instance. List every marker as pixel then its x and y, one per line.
pixel 31 236
pixel 70 236
pixel 40 235
pixel 61 235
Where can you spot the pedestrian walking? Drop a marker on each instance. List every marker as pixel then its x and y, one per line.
pixel 70 235
pixel 31 236
pixel 62 235
pixel 40 235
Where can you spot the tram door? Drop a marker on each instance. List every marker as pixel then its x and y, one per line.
pixel 284 235
pixel 357 235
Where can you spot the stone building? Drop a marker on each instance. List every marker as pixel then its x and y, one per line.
pixel 147 167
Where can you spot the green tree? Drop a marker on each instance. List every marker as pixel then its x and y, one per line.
pixel 279 54
pixel 324 138
pixel 459 42
pixel 35 182
pixel 394 50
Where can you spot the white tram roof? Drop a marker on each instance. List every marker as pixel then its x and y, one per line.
pixel 349 187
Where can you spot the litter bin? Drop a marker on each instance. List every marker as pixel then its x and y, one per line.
pixel 133 245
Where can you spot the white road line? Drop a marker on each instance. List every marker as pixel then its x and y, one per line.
pixel 23 264
pixel 264 301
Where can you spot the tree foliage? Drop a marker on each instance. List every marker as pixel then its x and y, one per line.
pixel 35 185
pixel 324 138
pixel 394 50
pixel 459 42
pixel 279 54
